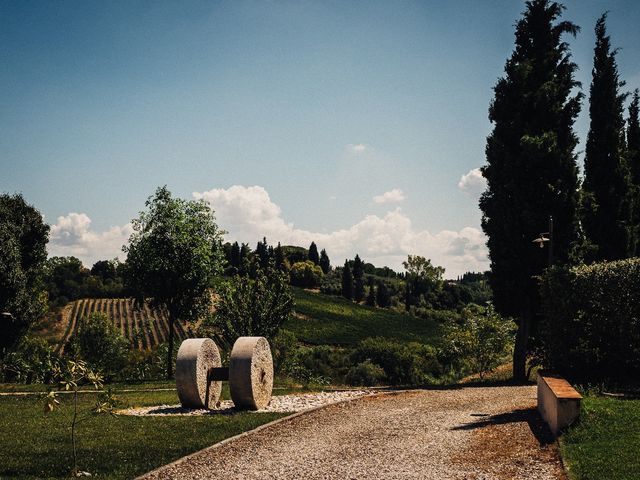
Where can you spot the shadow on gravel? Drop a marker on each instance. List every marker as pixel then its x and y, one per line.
pixel 529 415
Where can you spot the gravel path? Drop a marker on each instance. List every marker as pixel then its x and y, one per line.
pixel 465 433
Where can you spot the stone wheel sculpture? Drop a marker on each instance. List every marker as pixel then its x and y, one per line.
pixel 196 358
pixel 251 373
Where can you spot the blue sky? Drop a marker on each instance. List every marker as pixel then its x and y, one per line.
pixel 292 118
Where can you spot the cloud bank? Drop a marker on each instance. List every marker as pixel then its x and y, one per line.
pixel 473 182
pixel 248 214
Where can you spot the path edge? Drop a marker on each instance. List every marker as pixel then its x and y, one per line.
pixel 264 426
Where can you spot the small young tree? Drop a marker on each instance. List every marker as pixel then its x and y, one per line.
pixel 248 307
pixel 313 254
pixel 172 256
pixel 70 375
pixel 347 281
pixel 325 263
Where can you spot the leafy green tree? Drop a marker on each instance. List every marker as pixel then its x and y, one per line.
pixel 23 240
pixel 325 263
pixel 633 162
pixel 172 257
pixel 105 269
pixel 347 281
pixel 531 169
pixel 305 274
pixel 422 279
pixel 606 190
pixel 482 340
pixel 313 253
pixel 252 307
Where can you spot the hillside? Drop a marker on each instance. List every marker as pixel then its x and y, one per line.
pixel 324 319
pixel 145 328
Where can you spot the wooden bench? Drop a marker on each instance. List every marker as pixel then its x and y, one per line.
pixel 558 401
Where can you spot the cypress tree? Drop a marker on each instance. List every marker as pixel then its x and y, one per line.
pixel 313 253
pixel 347 281
pixel 279 257
pixel 235 255
pixel 606 190
pixel 358 273
pixel 325 263
pixel 531 167
pixel 633 162
pixel 371 297
pixel 383 299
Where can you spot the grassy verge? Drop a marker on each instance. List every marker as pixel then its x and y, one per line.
pixel 33 445
pixel 605 442
pixel 323 319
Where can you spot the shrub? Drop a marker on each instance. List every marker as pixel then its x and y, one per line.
pixel 365 374
pixel 32 362
pixel 403 364
pixel 305 274
pixel 101 345
pixel 482 341
pixel 590 330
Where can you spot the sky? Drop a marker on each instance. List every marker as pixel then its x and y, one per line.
pixel 358 125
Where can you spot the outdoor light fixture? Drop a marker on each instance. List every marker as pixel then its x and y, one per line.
pixel 540 240
pixel 546 237
pixel 6 316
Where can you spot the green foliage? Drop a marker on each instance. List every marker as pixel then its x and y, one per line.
pixel 605 442
pixel 423 281
pixel 403 363
pixel 101 345
pixel 365 373
pixel 383 298
pixel 358 277
pixel 481 341
pixel 283 346
pixel 23 240
pixel 321 319
pixel 32 362
pixel 633 163
pixel 607 193
pixel 172 257
pixel 252 307
pixel 591 321
pixel 531 169
pixel 305 274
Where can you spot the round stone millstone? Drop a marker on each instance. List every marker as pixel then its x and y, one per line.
pixel 196 357
pixel 251 373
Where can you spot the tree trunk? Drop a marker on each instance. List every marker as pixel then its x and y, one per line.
pixel 170 349
pixel 520 349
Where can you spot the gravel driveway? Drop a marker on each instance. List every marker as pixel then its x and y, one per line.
pixel 459 433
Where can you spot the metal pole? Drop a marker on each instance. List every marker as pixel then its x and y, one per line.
pixel 550 240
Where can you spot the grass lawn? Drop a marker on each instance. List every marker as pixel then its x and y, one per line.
pixel 605 443
pixel 35 445
pixel 324 319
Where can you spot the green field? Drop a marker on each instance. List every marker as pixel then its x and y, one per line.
pixel 35 445
pixel 605 443
pixel 323 319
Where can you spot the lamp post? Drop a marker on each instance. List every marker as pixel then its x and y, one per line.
pixel 547 237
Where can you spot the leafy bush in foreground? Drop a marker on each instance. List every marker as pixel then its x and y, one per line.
pixel 591 321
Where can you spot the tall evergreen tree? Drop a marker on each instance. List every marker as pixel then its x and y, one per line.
pixel 279 257
pixel 383 297
pixel 633 162
pixel 325 263
pixel 358 274
pixel 531 167
pixel 606 189
pixel 313 253
pixel 371 297
pixel 347 281
pixel 235 255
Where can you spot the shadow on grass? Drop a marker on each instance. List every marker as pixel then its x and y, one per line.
pixel 529 415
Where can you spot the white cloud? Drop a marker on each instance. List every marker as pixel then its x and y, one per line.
pixel 473 182
pixel 72 236
pixel 248 214
pixel 392 196
pixel 357 148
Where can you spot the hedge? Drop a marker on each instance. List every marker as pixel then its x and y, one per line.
pixel 591 321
